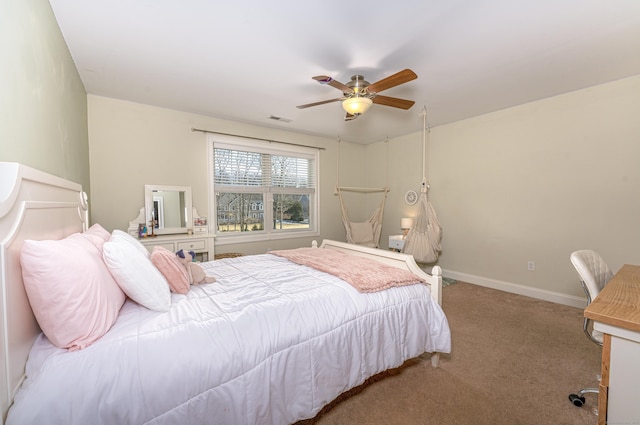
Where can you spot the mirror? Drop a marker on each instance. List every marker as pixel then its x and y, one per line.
pixel 169 207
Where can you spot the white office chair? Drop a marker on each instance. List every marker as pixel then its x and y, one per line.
pixel 594 275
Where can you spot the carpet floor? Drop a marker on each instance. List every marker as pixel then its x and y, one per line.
pixel 514 361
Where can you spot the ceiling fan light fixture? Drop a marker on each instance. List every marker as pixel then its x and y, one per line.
pixel 356 105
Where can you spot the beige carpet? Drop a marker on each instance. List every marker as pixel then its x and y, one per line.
pixel 514 361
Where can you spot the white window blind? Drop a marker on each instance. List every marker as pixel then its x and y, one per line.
pixel 244 168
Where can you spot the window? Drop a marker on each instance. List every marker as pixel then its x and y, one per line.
pixel 262 191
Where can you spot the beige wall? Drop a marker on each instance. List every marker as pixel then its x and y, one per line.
pixel 43 104
pixel 531 183
pixel 133 144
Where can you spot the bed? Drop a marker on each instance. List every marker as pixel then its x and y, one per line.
pixel 270 342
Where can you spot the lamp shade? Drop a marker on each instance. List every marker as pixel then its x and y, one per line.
pixel 406 223
pixel 356 105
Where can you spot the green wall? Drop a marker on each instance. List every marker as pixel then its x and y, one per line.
pixel 43 104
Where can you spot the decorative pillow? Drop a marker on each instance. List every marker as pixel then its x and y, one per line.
pixel 171 268
pixel 72 294
pixel 97 235
pixel 131 240
pixel 136 275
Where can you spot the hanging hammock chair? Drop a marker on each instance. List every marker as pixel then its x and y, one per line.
pixel 368 232
pixel 423 239
pixel 365 233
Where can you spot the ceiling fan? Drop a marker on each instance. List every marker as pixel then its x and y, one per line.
pixel 358 94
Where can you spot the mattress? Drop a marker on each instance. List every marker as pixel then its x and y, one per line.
pixel 270 342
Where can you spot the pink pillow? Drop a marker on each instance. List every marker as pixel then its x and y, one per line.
pixel 72 293
pixel 97 235
pixel 172 269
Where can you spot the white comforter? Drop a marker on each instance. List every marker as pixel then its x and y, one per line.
pixel 271 342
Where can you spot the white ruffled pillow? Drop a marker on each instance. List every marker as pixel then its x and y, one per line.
pixel 135 273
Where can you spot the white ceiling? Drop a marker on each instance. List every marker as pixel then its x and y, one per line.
pixel 246 60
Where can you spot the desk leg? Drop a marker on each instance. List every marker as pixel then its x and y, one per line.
pixel 603 389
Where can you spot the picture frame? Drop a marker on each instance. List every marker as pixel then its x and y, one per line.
pixel 200 221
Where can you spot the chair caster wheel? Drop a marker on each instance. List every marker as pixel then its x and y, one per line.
pixel 576 400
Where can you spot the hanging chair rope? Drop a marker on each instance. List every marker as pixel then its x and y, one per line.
pixel 355 188
pixel 425 149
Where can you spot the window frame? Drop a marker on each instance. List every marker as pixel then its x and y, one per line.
pixel 271 148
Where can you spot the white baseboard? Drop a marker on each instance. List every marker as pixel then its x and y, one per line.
pixel 514 288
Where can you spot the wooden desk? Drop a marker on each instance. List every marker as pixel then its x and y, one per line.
pixel 616 313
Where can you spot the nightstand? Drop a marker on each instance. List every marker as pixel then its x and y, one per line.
pixel 201 244
pixel 396 242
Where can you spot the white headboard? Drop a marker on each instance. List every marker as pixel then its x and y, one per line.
pixel 33 205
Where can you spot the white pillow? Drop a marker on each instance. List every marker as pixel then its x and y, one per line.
pixel 131 240
pixel 136 275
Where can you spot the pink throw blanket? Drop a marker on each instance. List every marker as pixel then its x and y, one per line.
pixel 364 274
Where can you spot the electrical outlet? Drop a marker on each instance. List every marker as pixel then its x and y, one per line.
pixel 531 266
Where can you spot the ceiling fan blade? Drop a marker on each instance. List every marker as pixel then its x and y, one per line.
pixel 393 101
pixel 318 103
pixel 392 81
pixel 323 79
